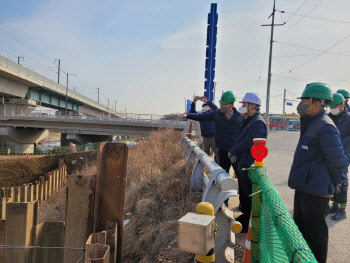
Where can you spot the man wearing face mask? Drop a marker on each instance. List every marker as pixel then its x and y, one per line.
pixel 341 118
pixel 253 126
pixel 227 126
pixel 346 95
pixel 207 127
pixel 318 167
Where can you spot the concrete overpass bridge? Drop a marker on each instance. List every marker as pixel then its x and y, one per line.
pixel 23 131
pixel 22 90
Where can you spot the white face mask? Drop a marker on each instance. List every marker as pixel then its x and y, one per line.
pixel 205 108
pixel 243 110
pixel 334 111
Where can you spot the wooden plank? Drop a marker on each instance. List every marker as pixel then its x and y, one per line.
pixel 3 208
pixel 2 239
pixel 80 203
pixel 97 253
pixel 48 234
pixel 112 161
pixel 21 218
pixel 24 193
pixel 17 194
pixel 30 192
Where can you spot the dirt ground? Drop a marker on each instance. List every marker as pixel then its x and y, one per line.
pixel 17 170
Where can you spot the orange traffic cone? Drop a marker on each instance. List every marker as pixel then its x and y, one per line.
pixel 143 139
pixel 74 150
pixel 28 156
pixel 247 258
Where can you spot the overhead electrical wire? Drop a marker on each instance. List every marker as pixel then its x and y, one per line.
pixel 299 20
pixel 320 18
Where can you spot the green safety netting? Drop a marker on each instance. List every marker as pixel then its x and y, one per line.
pixel 275 237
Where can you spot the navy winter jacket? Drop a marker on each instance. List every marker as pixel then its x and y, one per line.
pixel 207 127
pixel 253 127
pixel 347 106
pixel 226 131
pixel 319 160
pixel 342 122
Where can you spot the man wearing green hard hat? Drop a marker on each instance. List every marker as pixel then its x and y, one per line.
pixel 318 167
pixel 341 118
pixel 227 122
pixel 346 95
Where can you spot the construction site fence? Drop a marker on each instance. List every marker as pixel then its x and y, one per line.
pixel 275 236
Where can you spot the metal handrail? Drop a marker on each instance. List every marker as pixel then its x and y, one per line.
pixel 218 187
pixel 129 117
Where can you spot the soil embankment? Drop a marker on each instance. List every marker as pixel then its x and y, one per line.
pixel 19 171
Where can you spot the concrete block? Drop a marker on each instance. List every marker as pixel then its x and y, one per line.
pixel 80 203
pixel 21 218
pixel 2 240
pixel 97 253
pixel 24 193
pixel 48 234
pixel 17 194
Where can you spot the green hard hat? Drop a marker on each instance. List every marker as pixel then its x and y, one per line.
pixel 344 92
pixel 337 99
pixel 227 98
pixel 318 91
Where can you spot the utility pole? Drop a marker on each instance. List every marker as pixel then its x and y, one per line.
pixel 98 94
pixel 67 91
pixel 19 60
pixel 284 107
pixel 272 25
pixel 107 105
pixel 59 69
pixel 115 105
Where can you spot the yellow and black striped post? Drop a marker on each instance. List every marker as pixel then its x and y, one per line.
pixel 206 209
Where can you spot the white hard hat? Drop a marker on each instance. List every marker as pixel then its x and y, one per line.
pixel 252 97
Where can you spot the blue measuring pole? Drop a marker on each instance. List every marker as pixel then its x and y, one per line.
pixel 211 53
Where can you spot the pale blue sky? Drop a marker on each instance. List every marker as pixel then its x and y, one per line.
pixel 149 55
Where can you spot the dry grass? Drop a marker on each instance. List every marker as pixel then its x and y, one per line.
pixel 157 196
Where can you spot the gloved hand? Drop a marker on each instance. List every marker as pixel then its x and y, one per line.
pixel 233 159
pixel 338 188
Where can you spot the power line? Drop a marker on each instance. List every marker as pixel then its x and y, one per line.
pixel 320 18
pixel 314 49
pixel 297 10
pixel 343 39
pixel 293 56
pixel 300 19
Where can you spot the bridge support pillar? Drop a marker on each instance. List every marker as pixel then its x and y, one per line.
pixel 21 140
pixel 79 139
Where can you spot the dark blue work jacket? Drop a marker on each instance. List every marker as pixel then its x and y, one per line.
pixel 207 127
pixel 319 160
pixel 226 130
pixel 342 122
pixel 252 127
